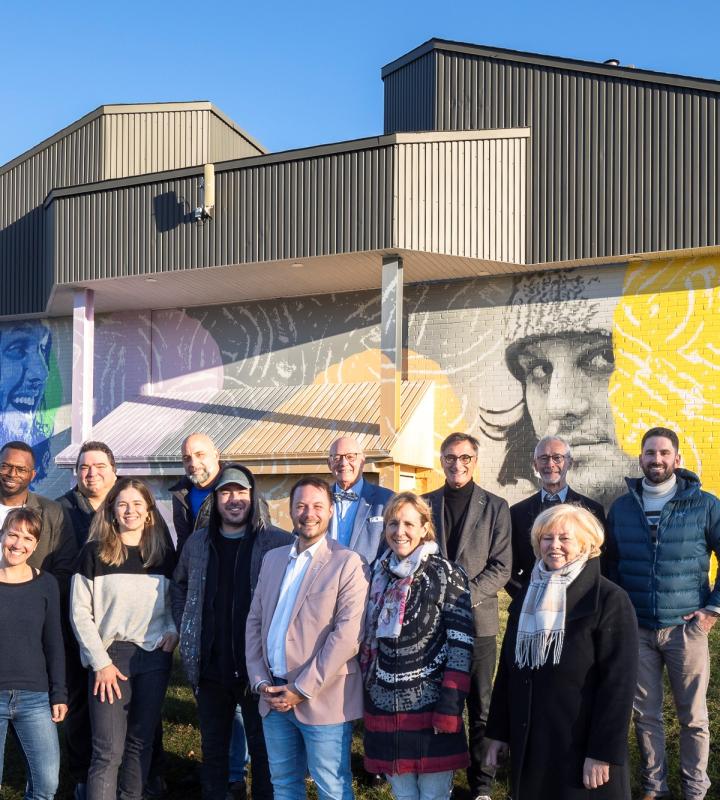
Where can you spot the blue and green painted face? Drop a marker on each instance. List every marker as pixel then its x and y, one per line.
pixel 25 367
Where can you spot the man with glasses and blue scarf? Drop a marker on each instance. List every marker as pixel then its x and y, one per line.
pixel 551 461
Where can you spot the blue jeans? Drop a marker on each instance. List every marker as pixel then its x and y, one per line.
pixel 30 715
pixel 239 755
pixel 428 786
pixel 295 748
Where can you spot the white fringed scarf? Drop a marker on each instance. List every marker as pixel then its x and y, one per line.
pixel 542 619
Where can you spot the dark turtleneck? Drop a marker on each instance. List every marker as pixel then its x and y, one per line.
pixel 457 502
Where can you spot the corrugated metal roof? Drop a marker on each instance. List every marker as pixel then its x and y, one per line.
pixel 252 424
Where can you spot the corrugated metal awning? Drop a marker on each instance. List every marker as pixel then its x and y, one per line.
pixel 274 429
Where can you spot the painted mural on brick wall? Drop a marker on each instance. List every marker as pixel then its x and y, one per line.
pixel 595 355
pixel 31 389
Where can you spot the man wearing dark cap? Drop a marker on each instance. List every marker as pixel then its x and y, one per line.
pixel 214 582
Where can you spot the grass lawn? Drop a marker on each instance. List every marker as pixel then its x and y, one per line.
pixel 182 744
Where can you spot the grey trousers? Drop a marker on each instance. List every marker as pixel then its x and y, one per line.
pixel 683 650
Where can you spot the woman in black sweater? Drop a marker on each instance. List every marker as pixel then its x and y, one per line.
pixel 33 697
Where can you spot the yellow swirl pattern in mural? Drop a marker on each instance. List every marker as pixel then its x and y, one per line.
pixel 666 340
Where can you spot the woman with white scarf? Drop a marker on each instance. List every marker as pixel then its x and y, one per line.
pixel 415 658
pixel 563 694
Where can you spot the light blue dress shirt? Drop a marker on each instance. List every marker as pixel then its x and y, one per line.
pixel 345 511
pixel 562 494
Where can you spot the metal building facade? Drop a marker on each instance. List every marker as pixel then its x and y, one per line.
pixel 110 142
pixel 460 195
pixel 623 160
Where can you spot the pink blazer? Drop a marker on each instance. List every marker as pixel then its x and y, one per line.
pixel 323 636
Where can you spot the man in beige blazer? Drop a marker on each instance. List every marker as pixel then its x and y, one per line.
pixel 302 637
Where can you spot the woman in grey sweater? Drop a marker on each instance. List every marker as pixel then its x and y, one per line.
pixel 121 616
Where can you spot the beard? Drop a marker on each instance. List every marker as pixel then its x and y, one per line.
pixel 198 478
pixel 657 478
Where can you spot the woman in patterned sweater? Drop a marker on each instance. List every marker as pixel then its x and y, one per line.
pixel 122 619
pixel 415 658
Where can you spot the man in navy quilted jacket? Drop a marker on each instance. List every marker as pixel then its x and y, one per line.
pixel 661 535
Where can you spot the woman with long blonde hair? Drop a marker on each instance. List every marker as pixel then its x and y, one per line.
pixel 122 620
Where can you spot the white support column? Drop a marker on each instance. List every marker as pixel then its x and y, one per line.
pixel 391 344
pixel 82 366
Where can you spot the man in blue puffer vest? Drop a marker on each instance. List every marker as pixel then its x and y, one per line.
pixel 661 535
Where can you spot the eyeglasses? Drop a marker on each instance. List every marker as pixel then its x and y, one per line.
pixel 464 459
pixel 337 459
pixel 556 458
pixel 13 469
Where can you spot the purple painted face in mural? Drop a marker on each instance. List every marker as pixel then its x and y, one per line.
pixel 24 353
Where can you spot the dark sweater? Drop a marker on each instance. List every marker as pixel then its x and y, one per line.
pixel 227 604
pixel 457 502
pixel 32 656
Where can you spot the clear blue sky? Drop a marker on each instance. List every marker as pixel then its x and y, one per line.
pixel 301 73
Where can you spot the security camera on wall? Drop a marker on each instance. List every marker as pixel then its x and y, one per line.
pixel 207 194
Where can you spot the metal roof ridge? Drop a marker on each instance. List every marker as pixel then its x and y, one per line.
pixel 627 72
pixel 314 151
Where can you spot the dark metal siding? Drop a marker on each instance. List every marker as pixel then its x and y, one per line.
pixel 410 96
pixel 73 159
pixel 618 165
pixel 336 203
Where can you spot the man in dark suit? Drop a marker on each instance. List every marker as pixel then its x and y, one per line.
pixel 473 530
pixel 358 506
pixel 551 461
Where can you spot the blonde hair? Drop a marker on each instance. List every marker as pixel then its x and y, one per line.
pixel 422 508
pixel 577 520
pixel 103 528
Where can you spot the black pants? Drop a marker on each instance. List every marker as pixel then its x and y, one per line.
pixel 480 777
pixel 76 726
pixel 123 732
pixel 216 709
pixel 78 739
